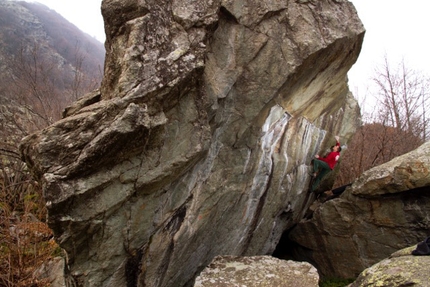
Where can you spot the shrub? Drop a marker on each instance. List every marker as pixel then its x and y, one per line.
pixel 335 282
pixel 26 240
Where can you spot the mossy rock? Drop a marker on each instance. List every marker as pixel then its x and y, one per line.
pixel 400 269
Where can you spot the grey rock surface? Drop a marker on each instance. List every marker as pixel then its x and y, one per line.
pixel 257 271
pixel 52 272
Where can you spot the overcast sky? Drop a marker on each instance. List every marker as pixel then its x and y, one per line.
pixel 85 14
pixel 397 28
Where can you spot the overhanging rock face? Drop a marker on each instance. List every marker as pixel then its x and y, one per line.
pixel 198 144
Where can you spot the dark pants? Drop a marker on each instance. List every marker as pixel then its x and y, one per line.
pixel 341 189
pixel 338 191
pixel 321 168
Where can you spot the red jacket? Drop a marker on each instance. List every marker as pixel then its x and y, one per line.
pixel 331 158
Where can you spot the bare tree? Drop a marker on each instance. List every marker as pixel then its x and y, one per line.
pixel 34 84
pixel 39 84
pixel 403 98
pixel 35 88
pixel 398 125
pixel 373 144
pixel 81 81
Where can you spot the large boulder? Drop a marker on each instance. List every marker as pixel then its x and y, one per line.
pixel 198 143
pixel 385 210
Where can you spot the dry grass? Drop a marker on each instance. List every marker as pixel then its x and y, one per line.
pixel 26 241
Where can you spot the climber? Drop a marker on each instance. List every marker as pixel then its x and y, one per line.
pixel 323 165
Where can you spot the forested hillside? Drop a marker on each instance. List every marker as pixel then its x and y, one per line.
pixel 46 63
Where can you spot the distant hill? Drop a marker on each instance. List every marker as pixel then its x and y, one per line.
pixel 46 63
pixel 24 23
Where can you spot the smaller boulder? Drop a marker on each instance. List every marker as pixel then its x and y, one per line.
pixel 51 273
pixel 400 269
pixel 256 271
